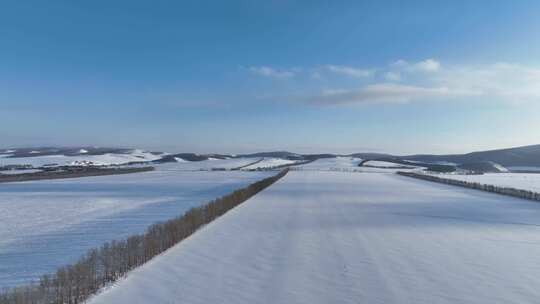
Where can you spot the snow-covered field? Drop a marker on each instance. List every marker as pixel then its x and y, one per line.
pixel 525 181
pixel 46 224
pixel 336 237
pixel 15 172
pixel 205 165
pixel 442 162
pixel 524 168
pixel 269 162
pixel 345 164
pixel 385 164
pixel 334 163
pixel 63 160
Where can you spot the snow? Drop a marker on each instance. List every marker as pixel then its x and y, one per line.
pixel 269 162
pixel 83 151
pixel 524 168
pixel 15 172
pixel 206 165
pixel 441 162
pixel 378 163
pixel 105 159
pixel 344 164
pixel 500 167
pixel 333 237
pixel 333 163
pixel 524 181
pixel 46 224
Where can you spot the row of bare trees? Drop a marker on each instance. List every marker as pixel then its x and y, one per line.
pixel 519 193
pixel 100 266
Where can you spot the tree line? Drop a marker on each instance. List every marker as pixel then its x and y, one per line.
pixel 101 266
pixel 509 191
pixel 71 172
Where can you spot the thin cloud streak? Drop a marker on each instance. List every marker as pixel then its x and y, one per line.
pixel 378 93
pixel 403 81
pixel 428 65
pixel 272 72
pixel 350 71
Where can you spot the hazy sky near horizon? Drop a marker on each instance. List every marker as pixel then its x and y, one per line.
pixel 242 76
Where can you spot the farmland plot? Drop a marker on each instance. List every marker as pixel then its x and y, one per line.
pixel 46 224
pixel 524 181
pixel 341 237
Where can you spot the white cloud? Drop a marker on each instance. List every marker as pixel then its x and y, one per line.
pixel 503 81
pixel 375 93
pixel 428 65
pixel 400 63
pixel 350 71
pixel 404 81
pixel 272 72
pixel 392 76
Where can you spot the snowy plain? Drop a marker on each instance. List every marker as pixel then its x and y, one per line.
pixel 524 168
pixel 15 172
pixel 333 163
pixel 385 164
pixel 345 164
pixel 214 164
pixel 340 237
pixel 63 160
pixel 269 162
pixel 524 181
pixel 46 224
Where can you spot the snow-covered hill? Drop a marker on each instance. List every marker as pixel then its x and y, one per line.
pixel 210 164
pixel 515 159
pixel 83 158
pixel 332 163
pixel 269 162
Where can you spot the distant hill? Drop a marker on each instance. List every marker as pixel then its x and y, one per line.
pixel 484 167
pixel 512 157
pixel 67 151
pixel 372 155
pixel 275 154
pixel 51 157
pixel 190 157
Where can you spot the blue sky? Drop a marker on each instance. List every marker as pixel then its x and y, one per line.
pixel 240 76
